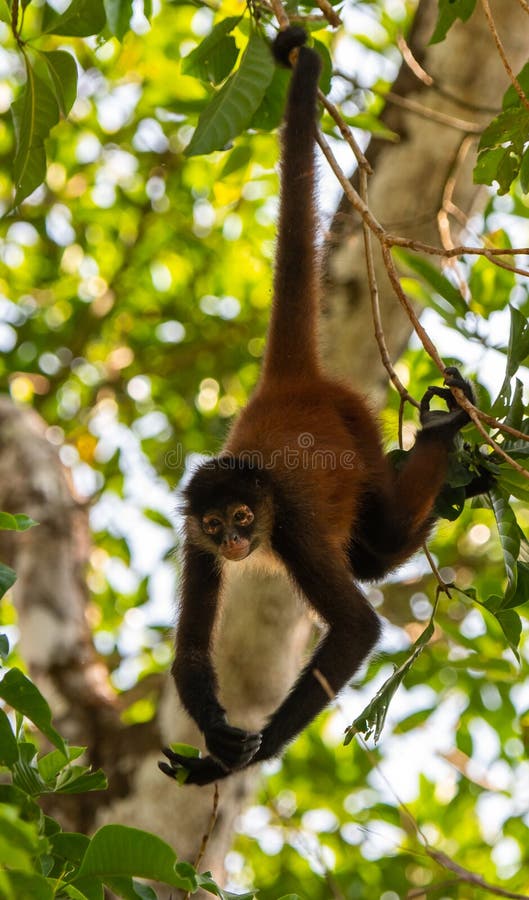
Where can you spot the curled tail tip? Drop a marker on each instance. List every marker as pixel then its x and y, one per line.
pixel 286 41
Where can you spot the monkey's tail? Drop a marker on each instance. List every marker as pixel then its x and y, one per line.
pixel 292 344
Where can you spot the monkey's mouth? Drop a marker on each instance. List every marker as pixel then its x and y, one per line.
pixel 235 550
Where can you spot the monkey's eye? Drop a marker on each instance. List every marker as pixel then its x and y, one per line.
pixel 211 524
pixel 243 516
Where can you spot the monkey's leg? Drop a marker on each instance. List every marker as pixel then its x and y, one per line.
pixel 193 670
pixel 394 521
pixel 353 629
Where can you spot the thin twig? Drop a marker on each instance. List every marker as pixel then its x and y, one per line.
pixel 308 847
pixel 501 50
pixel 442 586
pixel 447 204
pixel 434 115
pixel 490 253
pixel 330 14
pixel 209 831
pixel 508 429
pixel 425 112
pixel 420 892
pixel 412 63
pixel 280 13
pixel 422 334
pixel 346 132
pixel 386 242
pixel 524 4
pixel 375 303
pixel 462 874
pixel 352 195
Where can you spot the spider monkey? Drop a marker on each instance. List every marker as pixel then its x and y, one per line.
pixel 346 515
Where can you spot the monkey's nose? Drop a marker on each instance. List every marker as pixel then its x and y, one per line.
pixel 235 547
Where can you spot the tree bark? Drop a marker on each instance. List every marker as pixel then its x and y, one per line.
pixel 264 630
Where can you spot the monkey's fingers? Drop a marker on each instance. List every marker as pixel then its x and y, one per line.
pixel 454 378
pixel 232 747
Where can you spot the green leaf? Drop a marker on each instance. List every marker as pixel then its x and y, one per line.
pixel 35 112
pixel 7 578
pixel 5 12
pixel 501 148
pixel 70 845
pixel 507 171
pixel 123 851
pixel 269 113
pixel 435 279
pixel 326 69
pixel 185 750
pixel 509 127
pixel 81 19
pixel 130 889
pixel 511 625
pixel 490 286
pixel 4 646
pixel 515 412
pixel 52 763
pixel 524 172
pixel 449 11
pixel 513 482
pixel 30 885
pixel 238 159
pixel 215 56
pixel 63 73
pixel 373 716
pixel 521 595
pixel 414 720
pixel 16 522
pixel 518 349
pixel 8 742
pixel 509 537
pixel 118 14
pixel 87 889
pixel 79 780
pixel 486 168
pixel 25 774
pixel 232 108
pixel 511 96
pixel 517 352
pixel 22 695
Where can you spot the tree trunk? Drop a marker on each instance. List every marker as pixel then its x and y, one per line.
pixel 264 629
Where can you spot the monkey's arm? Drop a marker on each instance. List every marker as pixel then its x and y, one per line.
pixel 353 629
pixel 395 521
pixel 193 670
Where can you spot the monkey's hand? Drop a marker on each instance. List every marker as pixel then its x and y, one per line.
pixel 446 423
pixel 197 769
pixel 232 747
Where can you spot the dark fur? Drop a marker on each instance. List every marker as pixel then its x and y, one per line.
pixel 328 524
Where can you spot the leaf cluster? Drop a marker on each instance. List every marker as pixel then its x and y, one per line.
pixel 38 858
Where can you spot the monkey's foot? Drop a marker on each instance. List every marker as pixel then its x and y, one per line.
pixel 449 422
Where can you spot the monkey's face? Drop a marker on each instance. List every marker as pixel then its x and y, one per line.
pixel 231 529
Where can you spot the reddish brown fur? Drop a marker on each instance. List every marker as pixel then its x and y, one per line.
pixel 307 459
